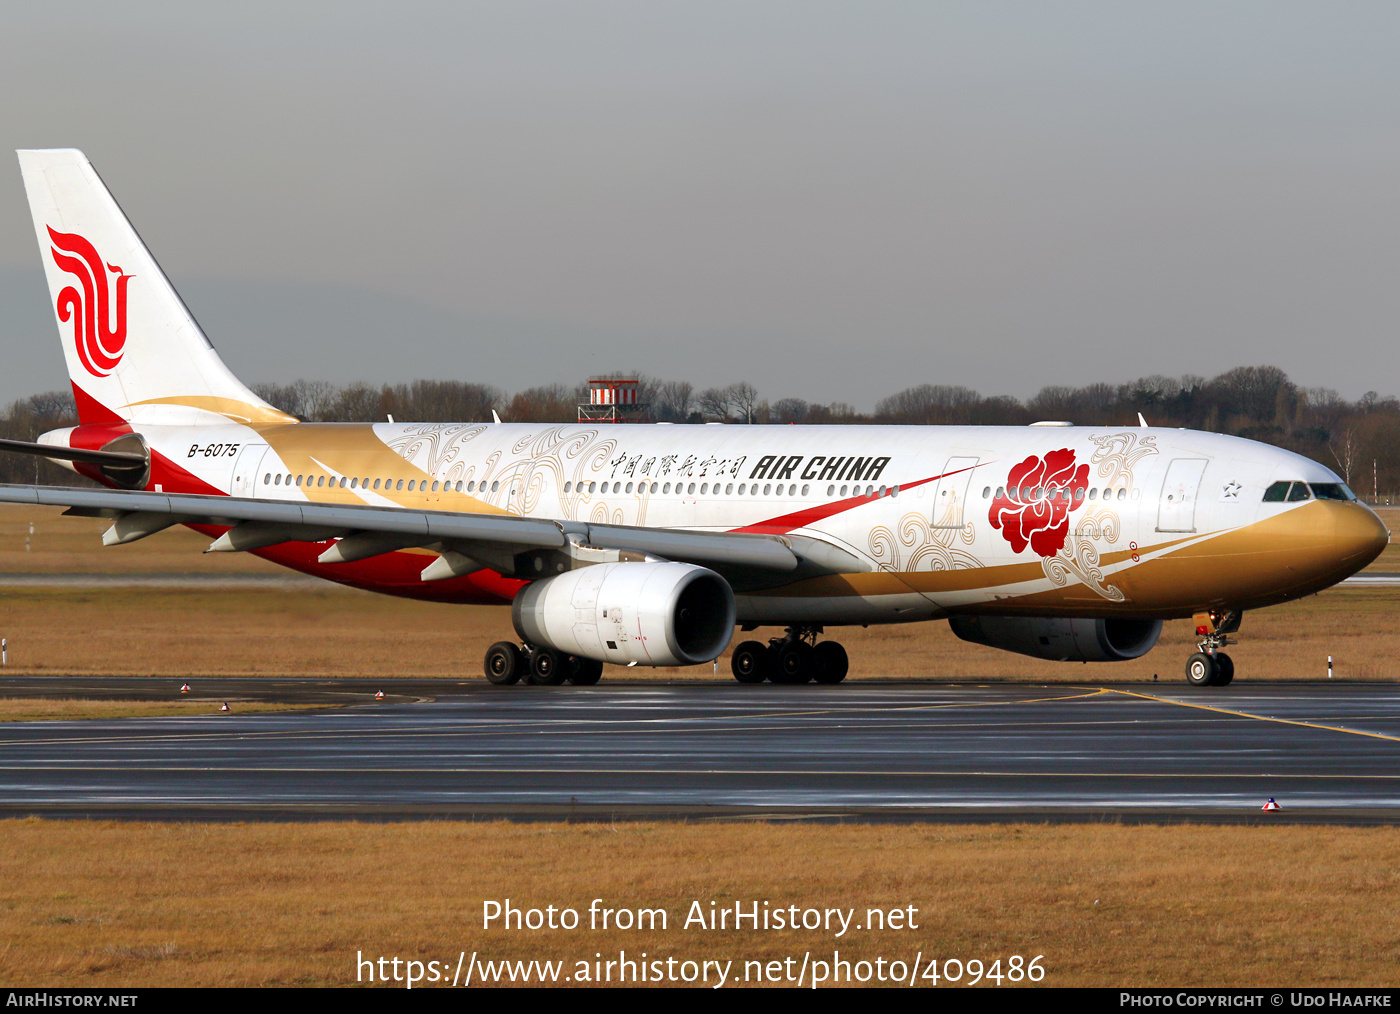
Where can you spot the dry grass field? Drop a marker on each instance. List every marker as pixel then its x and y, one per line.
pixel 41 709
pixel 327 632
pixel 108 904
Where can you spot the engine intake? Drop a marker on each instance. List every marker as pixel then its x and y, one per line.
pixel 647 613
pixel 1061 640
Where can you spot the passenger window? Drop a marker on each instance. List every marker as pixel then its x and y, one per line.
pixel 495 485
pixel 399 485
pixel 435 485
pixel 805 489
pixel 1298 491
pixel 666 488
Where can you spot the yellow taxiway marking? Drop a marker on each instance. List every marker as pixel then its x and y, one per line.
pixel 1258 718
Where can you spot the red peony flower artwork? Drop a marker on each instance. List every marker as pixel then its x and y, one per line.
pixel 1034 507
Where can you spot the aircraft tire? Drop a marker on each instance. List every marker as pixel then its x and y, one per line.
pixel 547 668
pixel 795 664
pixel 588 672
pixel 831 662
pixel 750 662
pixel 1200 670
pixel 1224 669
pixel 504 664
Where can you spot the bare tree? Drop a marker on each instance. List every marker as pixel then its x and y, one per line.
pixel 547 403
pixel 929 404
pixel 670 400
pixel 1345 453
pixel 357 402
pixel 789 410
pixel 714 401
pixel 744 397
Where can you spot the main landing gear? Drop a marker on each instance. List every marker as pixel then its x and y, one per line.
pixel 795 658
pixel 1211 667
pixel 507 663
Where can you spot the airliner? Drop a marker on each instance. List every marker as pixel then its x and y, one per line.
pixel 648 544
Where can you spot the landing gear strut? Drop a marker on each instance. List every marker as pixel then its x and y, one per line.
pixel 795 658
pixel 1211 667
pixel 508 663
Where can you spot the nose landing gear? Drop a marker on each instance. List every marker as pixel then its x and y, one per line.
pixel 795 658
pixel 1211 667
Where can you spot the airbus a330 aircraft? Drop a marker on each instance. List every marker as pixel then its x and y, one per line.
pixel 646 544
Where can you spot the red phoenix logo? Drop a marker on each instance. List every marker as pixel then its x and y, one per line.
pixel 99 340
pixel 1034 507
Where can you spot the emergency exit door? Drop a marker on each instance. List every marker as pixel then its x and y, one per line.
pixel 245 470
pixel 1176 510
pixel 950 495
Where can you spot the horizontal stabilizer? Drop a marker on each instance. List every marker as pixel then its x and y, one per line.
pixel 74 453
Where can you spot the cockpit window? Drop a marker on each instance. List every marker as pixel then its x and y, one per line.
pixel 1292 492
pixel 1331 491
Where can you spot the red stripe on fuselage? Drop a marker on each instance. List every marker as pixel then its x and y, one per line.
pixel 785 523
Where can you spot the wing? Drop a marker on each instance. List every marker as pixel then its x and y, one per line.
pixel 511 545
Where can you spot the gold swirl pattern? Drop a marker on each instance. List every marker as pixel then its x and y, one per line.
pixel 1080 557
pixel 920 546
pixel 1117 453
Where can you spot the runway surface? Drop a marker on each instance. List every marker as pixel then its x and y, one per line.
pixel 861 750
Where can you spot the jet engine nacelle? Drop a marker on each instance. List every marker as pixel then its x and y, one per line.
pixel 1061 640
pixel 647 613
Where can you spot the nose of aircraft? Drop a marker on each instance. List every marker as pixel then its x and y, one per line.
pixel 1358 535
pixel 1323 542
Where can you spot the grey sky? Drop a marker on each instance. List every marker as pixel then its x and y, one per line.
pixel 833 201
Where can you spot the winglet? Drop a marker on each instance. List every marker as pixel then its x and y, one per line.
pixel 495 418
pixel 1141 421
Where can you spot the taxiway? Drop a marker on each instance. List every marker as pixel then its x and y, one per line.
pixel 860 750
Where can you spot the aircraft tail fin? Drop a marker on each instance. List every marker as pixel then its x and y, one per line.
pixel 134 351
